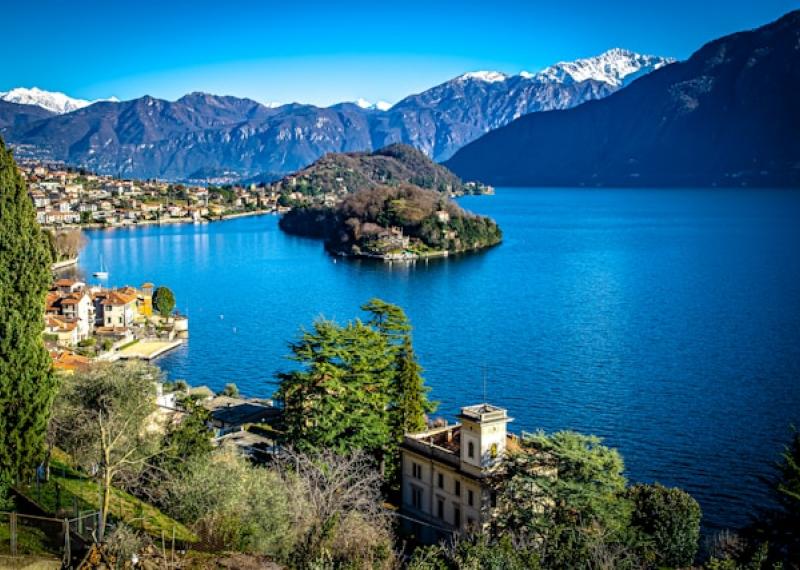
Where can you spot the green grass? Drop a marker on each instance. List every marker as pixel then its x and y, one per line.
pixel 126 345
pixel 30 541
pixel 76 487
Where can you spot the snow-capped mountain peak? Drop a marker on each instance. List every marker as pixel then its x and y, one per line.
pixel 379 106
pixel 616 67
pixel 486 76
pixel 54 101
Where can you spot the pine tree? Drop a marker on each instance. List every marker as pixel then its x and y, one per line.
pixel 338 399
pixel 408 393
pixel 388 319
pixel 408 401
pixel 27 384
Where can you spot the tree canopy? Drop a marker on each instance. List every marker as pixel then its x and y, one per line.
pixel 164 301
pixel 357 386
pixel 27 385
pixel 103 420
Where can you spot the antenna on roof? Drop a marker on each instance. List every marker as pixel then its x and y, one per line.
pixel 485 374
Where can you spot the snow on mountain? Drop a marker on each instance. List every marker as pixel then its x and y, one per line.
pixel 616 67
pixel 51 100
pixel 486 76
pixel 379 106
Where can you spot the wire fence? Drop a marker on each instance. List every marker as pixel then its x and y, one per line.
pixel 31 537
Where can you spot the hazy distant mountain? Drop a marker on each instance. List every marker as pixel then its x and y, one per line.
pixel 727 116
pixel 202 133
pixel 51 100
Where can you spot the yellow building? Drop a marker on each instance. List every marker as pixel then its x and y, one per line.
pixel 144 302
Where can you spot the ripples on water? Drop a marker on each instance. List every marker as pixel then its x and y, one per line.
pixel 667 322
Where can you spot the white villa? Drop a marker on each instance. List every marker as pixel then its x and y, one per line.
pixel 444 472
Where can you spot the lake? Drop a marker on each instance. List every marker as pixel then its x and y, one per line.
pixel 665 321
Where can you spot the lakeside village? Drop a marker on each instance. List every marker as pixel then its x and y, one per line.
pixel 86 323
pixel 66 197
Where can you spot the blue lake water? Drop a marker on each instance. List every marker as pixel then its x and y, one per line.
pixel 667 322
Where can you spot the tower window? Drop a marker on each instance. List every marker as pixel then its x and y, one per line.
pixel 471 450
pixel 470 498
pixel 440 481
pixel 458 489
pixel 440 508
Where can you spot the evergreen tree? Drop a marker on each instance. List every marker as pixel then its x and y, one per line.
pixel 338 399
pixel 27 384
pixel 408 401
pixel 410 393
pixel 164 301
pixel 670 520
pixel 564 491
pixel 388 319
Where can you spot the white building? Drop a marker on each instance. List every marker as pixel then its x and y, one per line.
pixel 445 470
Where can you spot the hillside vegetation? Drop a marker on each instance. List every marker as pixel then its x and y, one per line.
pixel 402 221
pixel 346 173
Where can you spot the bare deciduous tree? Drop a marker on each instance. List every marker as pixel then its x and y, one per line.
pixel 68 243
pixel 339 508
pixel 103 419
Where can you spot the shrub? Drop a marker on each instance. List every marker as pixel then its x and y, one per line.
pixel 230 390
pixel 671 519
pixel 232 505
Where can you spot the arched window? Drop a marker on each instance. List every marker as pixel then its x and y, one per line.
pixel 471 449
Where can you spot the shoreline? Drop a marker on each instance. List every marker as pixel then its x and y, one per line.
pixel 167 221
pixel 59 265
pixel 400 258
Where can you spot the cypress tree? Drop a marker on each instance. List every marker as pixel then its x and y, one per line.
pixel 412 402
pixel 27 384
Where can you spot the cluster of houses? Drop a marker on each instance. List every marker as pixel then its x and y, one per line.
pixel 65 197
pixel 80 315
pixel 75 311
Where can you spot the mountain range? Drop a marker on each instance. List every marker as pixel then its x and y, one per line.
pixel 202 136
pixel 727 116
pixel 53 101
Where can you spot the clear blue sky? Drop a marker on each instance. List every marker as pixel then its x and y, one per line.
pixel 325 52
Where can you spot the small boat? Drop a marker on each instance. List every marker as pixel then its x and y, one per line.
pixel 103 273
